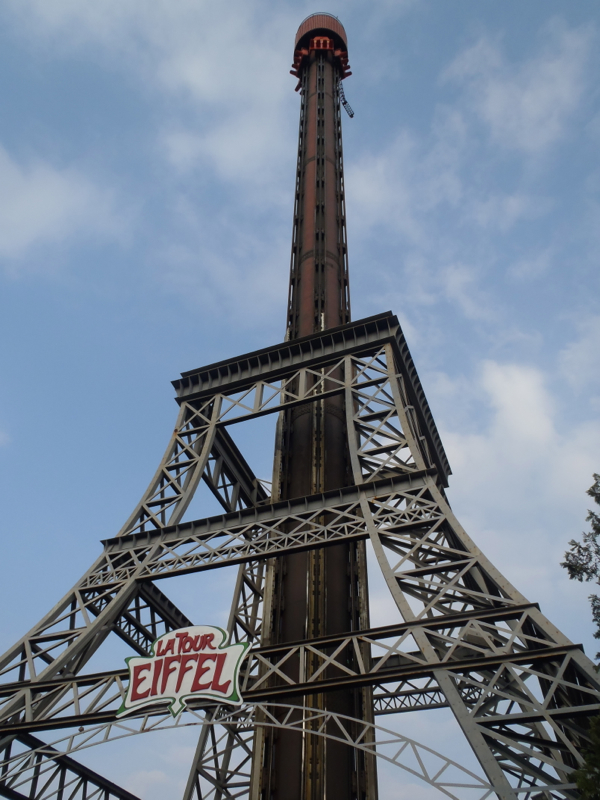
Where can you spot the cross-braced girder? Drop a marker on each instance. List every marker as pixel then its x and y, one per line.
pixel 467 639
pixel 49 773
pixel 420 761
pixel 377 656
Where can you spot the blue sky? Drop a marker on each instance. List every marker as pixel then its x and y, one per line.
pixel 147 156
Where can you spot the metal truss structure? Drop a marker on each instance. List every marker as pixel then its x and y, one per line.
pixel 465 638
pixel 27 766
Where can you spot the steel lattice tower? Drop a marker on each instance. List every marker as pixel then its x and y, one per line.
pixel 357 457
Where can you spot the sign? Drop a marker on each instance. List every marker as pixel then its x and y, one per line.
pixel 185 664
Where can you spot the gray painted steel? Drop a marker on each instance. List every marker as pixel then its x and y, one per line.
pixel 465 638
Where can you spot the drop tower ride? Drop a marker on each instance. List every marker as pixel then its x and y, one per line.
pixel 319 592
pixel 357 458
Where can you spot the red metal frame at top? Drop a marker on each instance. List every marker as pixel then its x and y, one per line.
pixel 321 32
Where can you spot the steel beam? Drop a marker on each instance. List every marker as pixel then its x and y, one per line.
pixel 229 476
pixel 523 712
pixel 315 352
pixel 261 532
pixel 262 688
pixel 418 760
pixel 53 774
pixel 380 656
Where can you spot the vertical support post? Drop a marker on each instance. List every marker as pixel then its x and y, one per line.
pixel 323 591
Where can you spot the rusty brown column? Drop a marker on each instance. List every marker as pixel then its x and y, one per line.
pixel 323 591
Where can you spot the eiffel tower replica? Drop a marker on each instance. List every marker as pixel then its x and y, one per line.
pixel 358 459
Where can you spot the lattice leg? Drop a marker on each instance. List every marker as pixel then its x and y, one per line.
pixel 223 757
pixel 512 685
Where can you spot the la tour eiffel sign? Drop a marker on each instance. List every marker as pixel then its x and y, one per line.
pixel 185 664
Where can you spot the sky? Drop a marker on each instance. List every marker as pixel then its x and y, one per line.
pixel 147 158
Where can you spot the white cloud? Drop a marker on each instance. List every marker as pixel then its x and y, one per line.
pixel 403 182
pixel 414 189
pixel 149 783
pixel 183 148
pixel 524 444
pixel 450 208
pixel 40 203
pixel 532 266
pixel 460 286
pixel 520 479
pixel 393 789
pixel 379 189
pixel 502 211
pixel 242 281
pixel 523 408
pixel 240 149
pixel 526 106
pixel 226 69
pixel 580 360
pixel 156 784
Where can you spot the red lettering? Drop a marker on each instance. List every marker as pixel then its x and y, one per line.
pixel 200 670
pixel 197 646
pixel 158 665
pixel 136 679
pixel 184 668
pixel 209 638
pixel 220 687
pixel 187 644
pixel 169 647
pixel 170 667
pixel 181 637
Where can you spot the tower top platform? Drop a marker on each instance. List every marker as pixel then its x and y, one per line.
pixel 321 24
